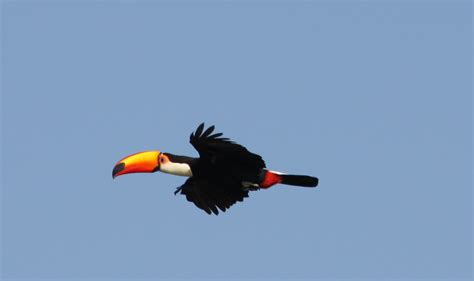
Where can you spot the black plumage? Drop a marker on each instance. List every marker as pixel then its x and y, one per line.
pixel 219 171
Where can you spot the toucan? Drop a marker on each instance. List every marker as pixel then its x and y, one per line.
pixel 223 174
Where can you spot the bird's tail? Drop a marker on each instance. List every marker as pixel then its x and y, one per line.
pixel 299 180
pixel 272 177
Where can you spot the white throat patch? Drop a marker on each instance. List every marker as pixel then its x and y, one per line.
pixel 178 169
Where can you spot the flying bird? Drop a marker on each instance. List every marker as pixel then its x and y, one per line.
pixel 223 174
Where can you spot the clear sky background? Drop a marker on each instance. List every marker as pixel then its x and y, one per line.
pixel 374 98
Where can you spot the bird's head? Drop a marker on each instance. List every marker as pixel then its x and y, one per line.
pixel 152 161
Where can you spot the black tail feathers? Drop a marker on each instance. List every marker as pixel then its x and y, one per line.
pixel 298 180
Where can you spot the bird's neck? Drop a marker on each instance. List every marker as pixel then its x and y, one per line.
pixel 178 165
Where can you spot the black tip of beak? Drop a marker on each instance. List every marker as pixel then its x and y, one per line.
pixel 117 169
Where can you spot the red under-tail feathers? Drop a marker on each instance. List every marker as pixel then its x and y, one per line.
pixel 272 178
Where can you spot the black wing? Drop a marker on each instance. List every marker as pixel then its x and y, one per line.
pixel 222 167
pixel 224 152
pixel 210 196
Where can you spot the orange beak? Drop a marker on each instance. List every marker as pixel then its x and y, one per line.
pixel 142 162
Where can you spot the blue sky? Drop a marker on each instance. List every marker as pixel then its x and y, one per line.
pixel 374 98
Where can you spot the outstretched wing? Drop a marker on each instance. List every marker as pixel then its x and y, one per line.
pixel 222 151
pixel 223 166
pixel 211 196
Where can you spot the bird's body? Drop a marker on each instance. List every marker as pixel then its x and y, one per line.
pixel 223 174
